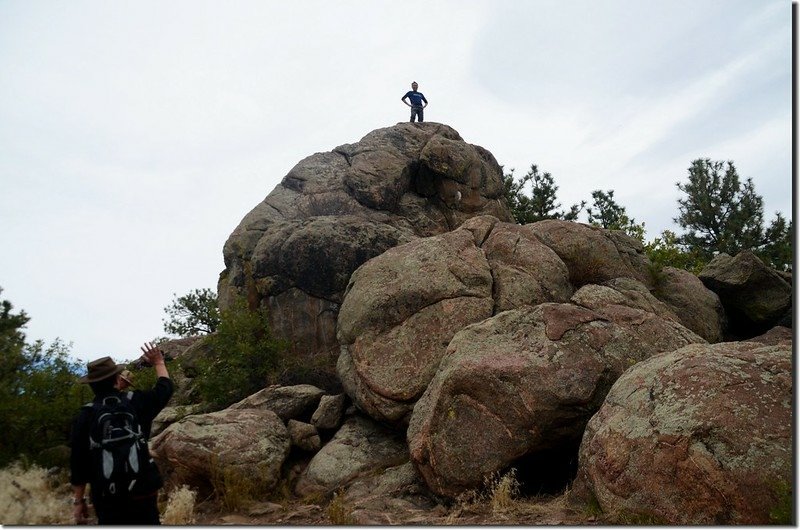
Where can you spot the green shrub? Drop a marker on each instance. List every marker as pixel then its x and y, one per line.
pixel 666 251
pixel 244 357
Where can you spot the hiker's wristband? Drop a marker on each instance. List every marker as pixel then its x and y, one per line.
pixel 76 502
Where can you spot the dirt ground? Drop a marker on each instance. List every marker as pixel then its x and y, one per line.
pixel 532 511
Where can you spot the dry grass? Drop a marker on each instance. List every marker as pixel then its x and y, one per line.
pixel 500 502
pixel 339 512
pixel 498 496
pixel 29 497
pixel 180 507
pixel 503 491
pixel 237 489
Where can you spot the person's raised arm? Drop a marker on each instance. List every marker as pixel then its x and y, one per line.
pixel 153 355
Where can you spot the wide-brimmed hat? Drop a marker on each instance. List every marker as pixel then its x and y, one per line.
pixel 127 376
pixel 100 369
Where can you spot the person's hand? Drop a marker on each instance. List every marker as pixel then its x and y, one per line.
pixel 81 513
pixel 152 354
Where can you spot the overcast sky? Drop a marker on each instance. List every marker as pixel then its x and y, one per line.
pixel 134 136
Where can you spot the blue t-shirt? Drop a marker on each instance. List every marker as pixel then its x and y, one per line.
pixel 416 98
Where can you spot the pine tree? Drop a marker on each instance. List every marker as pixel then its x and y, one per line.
pixel 607 213
pixel 541 203
pixel 722 214
pixel 195 313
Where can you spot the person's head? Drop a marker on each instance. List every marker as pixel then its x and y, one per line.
pixel 124 380
pixel 414 86
pixel 102 375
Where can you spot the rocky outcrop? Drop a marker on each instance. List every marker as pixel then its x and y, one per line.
pixel 402 308
pixel 755 296
pixel 295 251
pixel 701 435
pixel 360 446
pixel 202 448
pixel 474 344
pixel 524 381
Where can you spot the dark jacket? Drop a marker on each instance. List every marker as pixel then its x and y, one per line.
pixel 147 404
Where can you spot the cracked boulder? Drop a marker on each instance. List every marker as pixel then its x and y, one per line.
pixel 295 251
pixel 698 436
pixel 526 381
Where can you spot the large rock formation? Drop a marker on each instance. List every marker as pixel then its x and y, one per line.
pixel 525 381
pixel 402 308
pixel 701 435
pixel 469 344
pixel 295 251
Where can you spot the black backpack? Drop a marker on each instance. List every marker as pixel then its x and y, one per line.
pixel 117 446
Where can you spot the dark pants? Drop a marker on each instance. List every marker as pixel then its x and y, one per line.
pixel 131 511
pixel 416 111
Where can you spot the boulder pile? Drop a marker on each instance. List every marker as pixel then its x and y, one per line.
pixel 467 345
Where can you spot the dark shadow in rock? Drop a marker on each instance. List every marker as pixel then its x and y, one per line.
pixel 549 471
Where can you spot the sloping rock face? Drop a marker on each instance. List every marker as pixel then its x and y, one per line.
pixel 295 251
pixel 251 444
pixel 755 297
pixel 525 381
pixel 701 435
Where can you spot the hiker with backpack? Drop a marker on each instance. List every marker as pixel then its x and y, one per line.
pixel 109 445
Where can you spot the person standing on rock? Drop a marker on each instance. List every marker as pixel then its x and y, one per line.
pixel 109 445
pixel 416 104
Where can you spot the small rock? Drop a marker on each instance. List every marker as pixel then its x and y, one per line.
pixel 263 508
pixel 304 435
pixel 329 412
pixel 235 519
